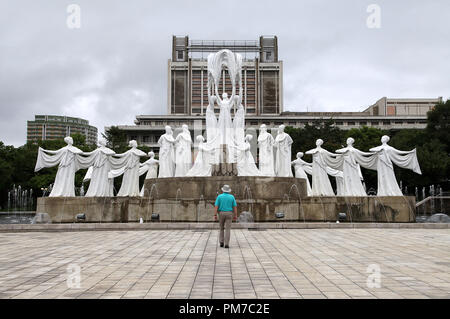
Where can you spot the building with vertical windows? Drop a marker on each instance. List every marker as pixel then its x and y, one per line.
pixel 54 127
pixel 262 75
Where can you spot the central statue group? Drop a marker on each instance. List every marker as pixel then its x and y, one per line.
pixel 226 142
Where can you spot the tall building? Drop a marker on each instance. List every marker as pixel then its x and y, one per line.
pixel 262 75
pixel 53 127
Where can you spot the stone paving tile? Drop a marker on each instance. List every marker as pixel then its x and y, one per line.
pixel 275 263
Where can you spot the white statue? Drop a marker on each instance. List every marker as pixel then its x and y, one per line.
pixel 322 160
pixel 353 178
pixel 339 176
pixel 99 164
pixel 302 168
pixel 202 165
pixel 387 156
pixel 246 163
pixel 183 155
pixel 266 159
pixel 166 154
pixel 129 163
pixel 283 143
pixel 239 122
pixel 225 132
pixel 211 120
pixel 150 167
pixel 66 159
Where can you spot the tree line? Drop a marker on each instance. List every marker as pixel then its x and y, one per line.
pixel 433 151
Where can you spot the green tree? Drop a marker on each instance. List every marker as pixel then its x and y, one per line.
pixel 305 138
pixel 438 123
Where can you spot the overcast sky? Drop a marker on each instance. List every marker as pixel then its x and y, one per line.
pixel 115 66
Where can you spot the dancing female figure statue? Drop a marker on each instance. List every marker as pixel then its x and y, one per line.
pixel 150 167
pixel 129 167
pixel 183 155
pixel 166 154
pixel 66 159
pixel 353 178
pixel 239 121
pixel 265 143
pixel 246 163
pixel 322 160
pixel 283 144
pixel 302 168
pixel 99 164
pixel 202 165
pixel 386 156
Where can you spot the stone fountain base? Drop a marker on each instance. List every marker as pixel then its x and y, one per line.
pixel 191 199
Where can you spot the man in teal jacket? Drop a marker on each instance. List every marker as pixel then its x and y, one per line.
pixel 225 206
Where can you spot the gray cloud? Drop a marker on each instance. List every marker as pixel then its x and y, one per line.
pixel 115 66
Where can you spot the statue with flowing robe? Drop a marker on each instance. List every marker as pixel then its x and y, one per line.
pixel 386 156
pixel 324 164
pixel 150 167
pixel 245 162
pixel 211 120
pixel 98 163
pixel 166 154
pixel 88 176
pixel 129 167
pixel 225 130
pixel 353 159
pixel 283 143
pixel 302 168
pixel 183 155
pixel 66 159
pixel 239 122
pixel 202 164
pixel 266 159
pixel 339 177
pixel 225 133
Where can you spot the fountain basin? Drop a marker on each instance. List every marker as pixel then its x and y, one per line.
pixel 308 209
pixel 243 187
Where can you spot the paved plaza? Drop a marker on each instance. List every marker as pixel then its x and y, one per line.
pixel 272 263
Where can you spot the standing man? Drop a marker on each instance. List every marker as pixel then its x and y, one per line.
pixel 225 206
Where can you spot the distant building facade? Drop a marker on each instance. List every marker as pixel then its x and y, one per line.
pixel 262 75
pixel 53 127
pixel 148 128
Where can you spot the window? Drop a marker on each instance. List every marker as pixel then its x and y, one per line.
pixel 180 55
pixel 179 91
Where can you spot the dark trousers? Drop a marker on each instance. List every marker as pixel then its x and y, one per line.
pixel 225 219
